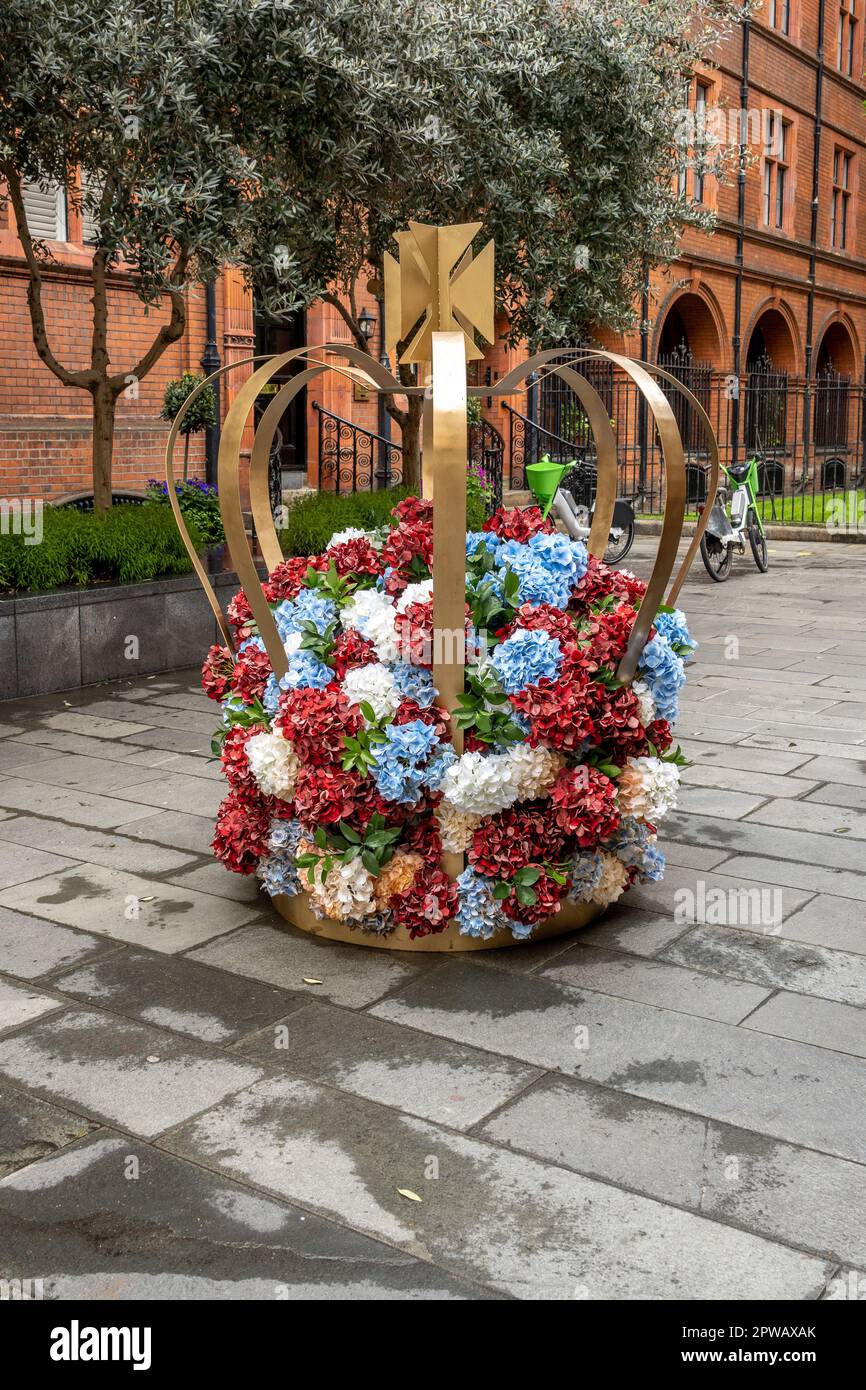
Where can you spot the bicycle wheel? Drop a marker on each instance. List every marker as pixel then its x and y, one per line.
pixel 619 544
pixel 718 558
pixel 758 542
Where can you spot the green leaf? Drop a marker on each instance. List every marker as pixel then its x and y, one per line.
pixel 501 890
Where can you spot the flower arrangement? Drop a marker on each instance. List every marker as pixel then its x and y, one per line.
pixel 344 784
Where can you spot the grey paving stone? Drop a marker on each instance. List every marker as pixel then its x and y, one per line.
pixel 19 864
pixel 20 1005
pixel 156 714
pixel 754 760
pixel 682 856
pixel 802 1094
pixel 850 772
pixel 177 1232
pixel 179 764
pixel 174 992
pixel 87 774
pixel 773 962
pixel 215 878
pixel 634 1143
pixel 74 807
pixel 654 982
pixel 846 1286
pixel 345 1157
pixel 185 832
pixel 839 749
pixel 104 1067
pixel 352 975
pixel 174 741
pixel 634 930
pixel 15 754
pixel 30 947
pixel 110 848
pixel 30 1129
pixel 839 923
pixel 195 796
pixel 429 1077
pixel 128 908
pixel 692 895
pixel 93 725
pixel 751 837
pixel 735 779
pixel 806 878
pixel 810 1199
pixel 821 1022
pixel 807 815
pixel 837 794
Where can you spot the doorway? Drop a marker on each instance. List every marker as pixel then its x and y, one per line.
pixel 289 455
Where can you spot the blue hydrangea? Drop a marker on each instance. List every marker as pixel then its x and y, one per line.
pixel 673 626
pixel 474 539
pixel 521 931
pixel 415 683
pixel 652 870
pixel 665 675
pixel 479 914
pixel 547 567
pixel 309 607
pixel 251 642
pixel 525 658
pixel 278 870
pixel 630 841
pixel 305 671
pixel 586 870
pixel 410 761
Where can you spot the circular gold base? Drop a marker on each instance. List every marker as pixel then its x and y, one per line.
pixel 296 910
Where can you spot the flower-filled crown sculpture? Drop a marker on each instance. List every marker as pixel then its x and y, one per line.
pixel 434 739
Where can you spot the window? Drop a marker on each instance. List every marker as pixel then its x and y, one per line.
pixel 846 39
pixel 780 15
pixel 702 101
pixel 45 206
pixel 777 151
pixel 692 173
pixel 842 162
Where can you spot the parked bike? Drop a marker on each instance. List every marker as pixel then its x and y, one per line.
pixel 568 490
pixel 729 526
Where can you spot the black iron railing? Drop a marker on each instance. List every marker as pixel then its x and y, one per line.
pixel 354 459
pixel 487 454
pixel 528 442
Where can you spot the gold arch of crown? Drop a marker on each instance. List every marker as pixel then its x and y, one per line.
pixel 436 298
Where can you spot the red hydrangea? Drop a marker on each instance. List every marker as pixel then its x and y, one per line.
pixel 600 581
pixel 415 633
pixel 413 510
pixel 216 672
pixel 408 710
pixel 327 793
pixel 287 580
pixel 559 712
pixel 233 757
pixel 356 556
pixel 660 735
pixel 584 801
pixel 616 715
pixel 408 542
pixel 548 896
pixel 250 676
pixel 240 615
pixel 517 525
pixel 422 835
pixel 350 651
pixel 603 637
pixel 512 839
pixel 544 617
pixel 428 905
pixel 316 721
pixel 243 823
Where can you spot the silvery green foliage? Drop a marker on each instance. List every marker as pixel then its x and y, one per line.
pixel 294 136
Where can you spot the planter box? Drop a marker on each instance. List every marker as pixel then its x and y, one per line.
pixel 72 637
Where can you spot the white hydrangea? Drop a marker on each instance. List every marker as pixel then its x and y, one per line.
pixel 455 827
pixel 481 785
pixel 613 881
pixel 422 592
pixel 375 684
pixel 346 893
pixel 351 533
pixel 647 788
pixel 373 614
pixel 274 764
pixel 536 769
pixel 646 702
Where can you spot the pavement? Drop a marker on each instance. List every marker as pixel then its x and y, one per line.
pixel 197 1102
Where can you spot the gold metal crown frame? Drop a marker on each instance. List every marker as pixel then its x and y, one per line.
pixel 435 297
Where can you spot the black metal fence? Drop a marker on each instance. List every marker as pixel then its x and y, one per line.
pixel 809 437
pixel 352 459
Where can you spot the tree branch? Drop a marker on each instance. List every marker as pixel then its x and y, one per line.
pixel 82 379
pixel 168 333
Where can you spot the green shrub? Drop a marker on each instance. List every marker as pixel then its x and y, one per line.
pixel 127 545
pixel 313 519
pixel 199 505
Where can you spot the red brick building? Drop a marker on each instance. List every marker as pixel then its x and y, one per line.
pixel 765 320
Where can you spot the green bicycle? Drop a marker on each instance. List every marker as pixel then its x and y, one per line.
pixel 725 531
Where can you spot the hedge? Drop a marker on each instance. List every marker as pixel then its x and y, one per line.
pixel 313 519
pixel 127 545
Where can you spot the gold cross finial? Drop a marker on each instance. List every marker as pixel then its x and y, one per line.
pixel 437 277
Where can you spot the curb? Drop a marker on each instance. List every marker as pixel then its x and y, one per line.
pixel 814 534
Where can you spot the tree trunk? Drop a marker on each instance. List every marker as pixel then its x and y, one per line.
pixel 104 404
pixel 411 431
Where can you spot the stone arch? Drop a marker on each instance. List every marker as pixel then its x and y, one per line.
pixel 836 346
pixel 691 317
pixel 773 334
